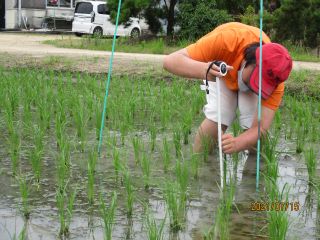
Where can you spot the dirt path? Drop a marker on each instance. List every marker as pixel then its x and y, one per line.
pixel 26 48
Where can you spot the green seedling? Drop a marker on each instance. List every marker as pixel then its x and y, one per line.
pixel 177 142
pixel 145 167
pixel 24 191
pixel 221 229
pixel 65 205
pixel 81 120
pixel 154 231
pixel 130 192
pixel 116 163
pixel 300 139
pixel 123 131
pixel 311 163
pixel 186 126
pixel 108 215
pixel 176 205
pixel 91 175
pixel 195 162
pixel 206 143
pixel 278 221
pixel 166 155
pixel 153 135
pixel 182 174
pixel 37 153
pixel 14 148
pixel 136 142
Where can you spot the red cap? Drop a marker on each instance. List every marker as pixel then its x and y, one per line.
pixel 276 67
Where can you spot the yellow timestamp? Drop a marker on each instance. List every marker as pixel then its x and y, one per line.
pixel 274 206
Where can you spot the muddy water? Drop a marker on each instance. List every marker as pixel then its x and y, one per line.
pixel 201 207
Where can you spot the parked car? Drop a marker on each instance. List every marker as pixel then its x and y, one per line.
pixel 93 17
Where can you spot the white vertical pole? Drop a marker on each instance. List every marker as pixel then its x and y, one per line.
pixel 219 133
pixel 19 13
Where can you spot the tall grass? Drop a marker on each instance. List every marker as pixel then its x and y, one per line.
pixel 108 215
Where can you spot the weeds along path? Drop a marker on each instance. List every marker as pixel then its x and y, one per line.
pixel 30 45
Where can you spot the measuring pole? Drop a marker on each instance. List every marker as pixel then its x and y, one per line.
pixel 259 99
pixel 219 132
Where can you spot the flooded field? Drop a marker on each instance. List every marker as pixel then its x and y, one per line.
pixel 147 183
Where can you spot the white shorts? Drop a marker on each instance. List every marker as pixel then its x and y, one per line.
pixel 230 100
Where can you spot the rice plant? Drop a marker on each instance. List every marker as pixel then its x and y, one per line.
pixel 177 142
pixel 145 167
pixel 24 192
pixel 153 135
pixel 311 163
pixel 65 205
pixel 123 132
pixel 117 165
pixel 182 174
pixel 221 229
pixel 81 120
pixel 37 152
pixel 44 111
pixel 130 192
pixel 165 155
pixel 154 231
pixel 14 148
pixel 300 142
pixel 108 215
pixel 91 175
pixel 175 205
pixel 206 143
pixel 278 221
pixel 194 163
pixel 136 142
pixel 186 126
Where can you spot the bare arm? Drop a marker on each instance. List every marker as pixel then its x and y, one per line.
pixel 181 64
pixel 249 138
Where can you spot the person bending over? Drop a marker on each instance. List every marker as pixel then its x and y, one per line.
pixel 237 45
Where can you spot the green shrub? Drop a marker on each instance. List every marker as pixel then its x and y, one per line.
pixel 198 18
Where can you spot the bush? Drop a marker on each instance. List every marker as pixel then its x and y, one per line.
pixel 298 21
pixel 251 18
pixel 197 18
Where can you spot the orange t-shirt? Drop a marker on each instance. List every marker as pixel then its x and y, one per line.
pixel 227 43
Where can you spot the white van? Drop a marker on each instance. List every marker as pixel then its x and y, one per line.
pixel 92 17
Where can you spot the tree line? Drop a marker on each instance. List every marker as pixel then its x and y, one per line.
pixel 295 20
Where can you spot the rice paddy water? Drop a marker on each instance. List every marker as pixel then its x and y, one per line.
pixel 147 183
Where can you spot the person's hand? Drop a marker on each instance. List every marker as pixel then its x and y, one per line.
pixel 214 71
pixel 229 143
